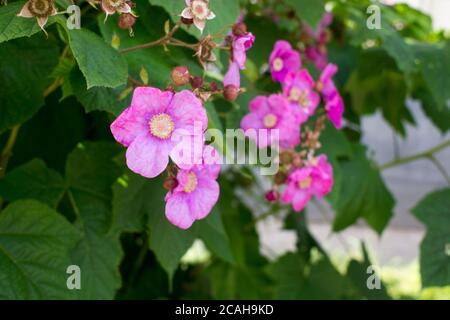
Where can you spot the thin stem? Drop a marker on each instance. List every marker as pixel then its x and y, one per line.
pixel 137 265
pixel 440 167
pixel 419 156
pixel 161 41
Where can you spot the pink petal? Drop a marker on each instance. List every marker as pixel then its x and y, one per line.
pixel 188 148
pixel 151 100
pixel 186 110
pixel 233 76
pixel 178 211
pixel 130 124
pixel 108 10
pixel 148 156
pixel 300 200
pixel 211 162
pixel 186 13
pixel 204 198
pixel 200 24
pixel 188 2
pixel 125 8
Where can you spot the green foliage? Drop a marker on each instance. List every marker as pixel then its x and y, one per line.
pixel 66 197
pixel 434 212
pixel 35 242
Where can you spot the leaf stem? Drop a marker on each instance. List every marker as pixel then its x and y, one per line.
pixel 422 155
pixel 137 265
pixel 166 40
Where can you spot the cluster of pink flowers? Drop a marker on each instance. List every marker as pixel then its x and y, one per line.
pixel 286 112
pixel 159 125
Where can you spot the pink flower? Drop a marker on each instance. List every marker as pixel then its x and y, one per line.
pixel 233 76
pixel 195 195
pixel 240 46
pixel 283 60
pixel 316 178
pixel 317 56
pixel 298 87
pixel 112 6
pixel 334 105
pixel 271 113
pixel 41 9
pixel 335 109
pixel 152 126
pixel 199 12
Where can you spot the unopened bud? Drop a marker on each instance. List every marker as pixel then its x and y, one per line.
pixel 196 82
pixel 280 178
pixel 126 21
pixel 230 92
pixel 240 29
pixel 180 76
pixel 272 196
pixel 213 87
pixel 170 183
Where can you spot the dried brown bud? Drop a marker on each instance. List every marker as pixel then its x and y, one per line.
pixel 170 183
pixel 196 82
pixel 280 178
pixel 230 92
pixel 180 76
pixel 126 21
pixel 286 157
pixel 240 29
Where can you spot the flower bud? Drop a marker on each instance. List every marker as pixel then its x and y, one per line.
pixel 240 29
pixel 126 21
pixel 272 196
pixel 180 76
pixel 213 87
pixel 170 183
pixel 280 178
pixel 230 93
pixel 196 82
pixel 187 21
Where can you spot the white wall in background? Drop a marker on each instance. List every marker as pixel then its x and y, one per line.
pixel 439 10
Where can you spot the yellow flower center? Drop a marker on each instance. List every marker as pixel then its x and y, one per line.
pixel 305 183
pixel 161 126
pixel 278 64
pixel 299 96
pixel 191 183
pixel 270 120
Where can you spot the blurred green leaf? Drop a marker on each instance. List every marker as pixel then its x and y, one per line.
pixel 309 11
pixel 434 212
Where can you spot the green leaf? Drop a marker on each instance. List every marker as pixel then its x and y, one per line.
pixel 309 11
pixel 435 68
pixel 434 212
pixel 33 180
pixel 90 174
pixel 12 26
pixel 100 64
pixel 26 65
pixel 227 13
pixel 360 192
pixel 95 98
pixel 34 252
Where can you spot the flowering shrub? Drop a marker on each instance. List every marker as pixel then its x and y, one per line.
pixel 113 156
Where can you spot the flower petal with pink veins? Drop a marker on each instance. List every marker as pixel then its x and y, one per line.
pixel 148 156
pixel 108 10
pixel 129 125
pixel 125 8
pixel 178 211
pixel 300 200
pixel 211 15
pixel 186 109
pixel 233 76
pixel 150 99
pixel 204 198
